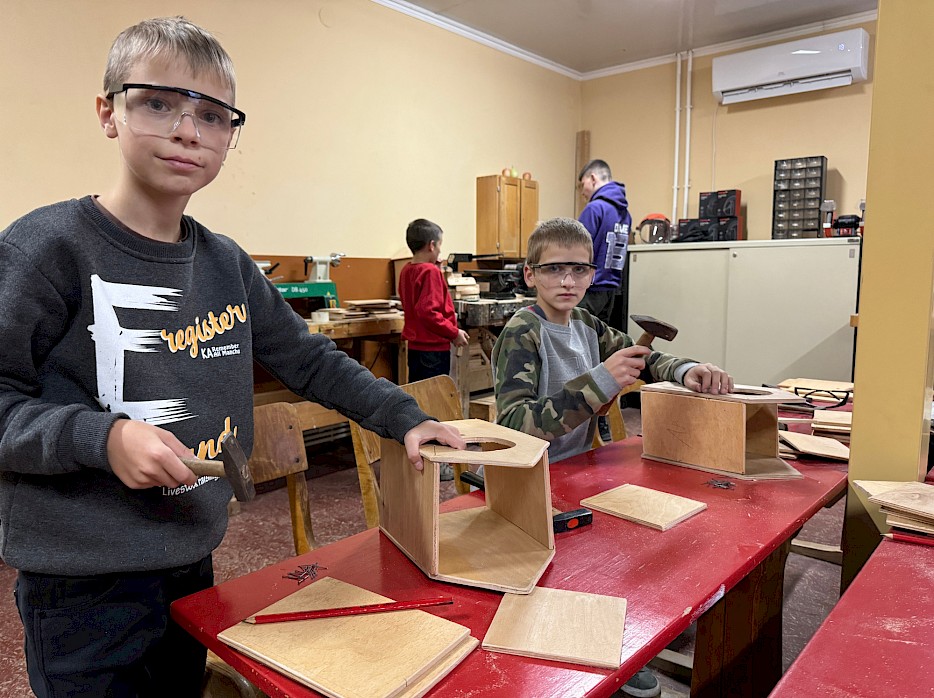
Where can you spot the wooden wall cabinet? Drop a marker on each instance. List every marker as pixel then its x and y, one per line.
pixel 507 213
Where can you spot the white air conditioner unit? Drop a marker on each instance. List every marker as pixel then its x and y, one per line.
pixel 824 61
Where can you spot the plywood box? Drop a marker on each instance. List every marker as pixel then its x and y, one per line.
pixel 735 433
pixel 506 544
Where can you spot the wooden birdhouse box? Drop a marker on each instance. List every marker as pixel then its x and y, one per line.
pixel 735 434
pixel 506 544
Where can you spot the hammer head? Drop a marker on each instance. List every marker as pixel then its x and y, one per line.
pixel 236 468
pixel 655 327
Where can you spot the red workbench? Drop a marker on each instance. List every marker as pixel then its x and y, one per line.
pixel 723 566
pixel 877 639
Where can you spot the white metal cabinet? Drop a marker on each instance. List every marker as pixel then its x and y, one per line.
pixel 763 310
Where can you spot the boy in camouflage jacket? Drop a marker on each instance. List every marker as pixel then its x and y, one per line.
pixel 556 366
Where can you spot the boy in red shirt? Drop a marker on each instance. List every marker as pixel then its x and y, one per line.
pixel 430 322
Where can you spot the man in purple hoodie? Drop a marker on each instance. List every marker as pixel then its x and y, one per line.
pixel 607 219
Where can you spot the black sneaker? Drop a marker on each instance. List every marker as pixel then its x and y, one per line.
pixel 603 427
pixel 642 685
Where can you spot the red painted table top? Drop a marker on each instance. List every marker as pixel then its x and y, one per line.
pixel 877 639
pixel 669 578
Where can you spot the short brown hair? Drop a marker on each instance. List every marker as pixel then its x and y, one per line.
pixel 558 232
pixel 420 232
pixel 167 37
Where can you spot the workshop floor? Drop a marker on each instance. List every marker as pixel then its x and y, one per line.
pixel 260 535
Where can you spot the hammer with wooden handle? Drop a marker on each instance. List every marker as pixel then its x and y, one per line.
pixel 653 328
pixel 233 466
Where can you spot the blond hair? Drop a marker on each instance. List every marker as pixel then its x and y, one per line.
pixel 558 232
pixel 167 37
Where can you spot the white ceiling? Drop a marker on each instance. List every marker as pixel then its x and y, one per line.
pixel 581 37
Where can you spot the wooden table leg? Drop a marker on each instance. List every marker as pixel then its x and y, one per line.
pixel 739 640
pixel 460 373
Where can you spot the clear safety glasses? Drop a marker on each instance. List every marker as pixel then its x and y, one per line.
pixel 156 110
pixel 554 274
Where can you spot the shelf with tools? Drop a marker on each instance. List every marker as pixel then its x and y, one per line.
pixel 797 195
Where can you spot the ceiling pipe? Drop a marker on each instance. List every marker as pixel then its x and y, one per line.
pixel 674 184
pixel 687 135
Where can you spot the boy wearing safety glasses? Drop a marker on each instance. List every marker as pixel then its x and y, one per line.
pixel 556 366
pixel 129 332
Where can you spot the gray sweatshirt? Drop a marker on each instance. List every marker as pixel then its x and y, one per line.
pixel 98 323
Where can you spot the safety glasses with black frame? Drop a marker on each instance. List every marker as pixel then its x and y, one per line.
pixel 158 110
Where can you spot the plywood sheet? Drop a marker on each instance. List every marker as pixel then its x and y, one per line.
pixel 816 445
pixel 566 626
pixel 833 418
pixel 749 394
pixel 478 547
pixel 695 431
pixel 815 384
pixel 915 498
pixel 659 510
pixel 367 656
pixel 909 523
pixel 874 487
pixel 519 450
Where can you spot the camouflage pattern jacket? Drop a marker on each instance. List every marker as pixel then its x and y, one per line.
pixel 550 379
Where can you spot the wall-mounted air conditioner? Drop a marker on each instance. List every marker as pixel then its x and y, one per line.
pixel 824 61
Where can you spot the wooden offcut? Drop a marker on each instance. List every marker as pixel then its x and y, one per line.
pixel 565 626
pixel 385 655
pixel 910 523
pixel 506 544
pixel 659 510
pixel 736 433
pixel 821 446
pixel 912 498
pixel 874 487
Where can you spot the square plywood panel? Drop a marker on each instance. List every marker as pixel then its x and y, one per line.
pixel 566 626
pixel 658 510
pixel 384 655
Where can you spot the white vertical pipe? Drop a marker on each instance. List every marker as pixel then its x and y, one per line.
pixel 674 184
pixel 687 135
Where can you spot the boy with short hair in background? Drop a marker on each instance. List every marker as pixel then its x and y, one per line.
pixel 129 332
pixel 556 366
pixel 430 323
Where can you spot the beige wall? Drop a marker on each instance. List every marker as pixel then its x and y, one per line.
pixel 631 117
pixel 359 119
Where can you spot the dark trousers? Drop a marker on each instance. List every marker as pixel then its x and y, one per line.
pixel 427 364
pixel 111 635
pixel 599 303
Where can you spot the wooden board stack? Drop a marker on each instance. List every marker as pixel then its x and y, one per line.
pixel 373 309
pixel 907 505
pixel 403 653
pixel 832 424
pixel 463 288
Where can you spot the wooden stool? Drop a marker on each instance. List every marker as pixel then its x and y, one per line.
pixel 505 545
pixel 483 408
pixel 735 434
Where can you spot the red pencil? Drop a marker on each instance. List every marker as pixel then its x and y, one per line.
pixel 349 610
pixel 908 538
